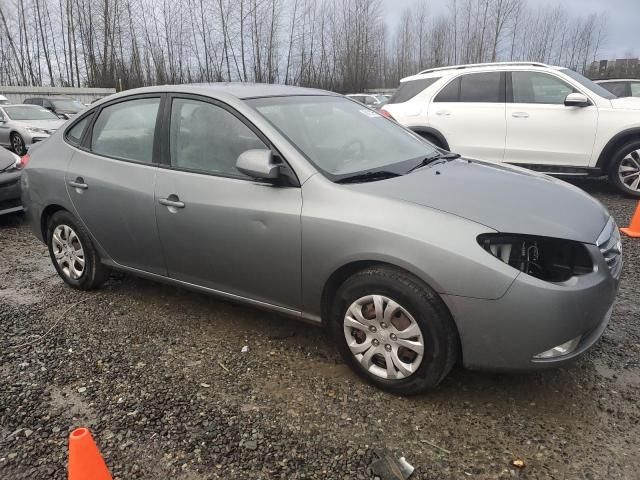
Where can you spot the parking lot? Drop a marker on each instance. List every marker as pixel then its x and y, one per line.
pixel 159 375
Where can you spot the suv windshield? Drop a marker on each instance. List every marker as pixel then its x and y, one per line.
pixel 342 138
pixel 585 82
pixel 26 112
pixel 68 105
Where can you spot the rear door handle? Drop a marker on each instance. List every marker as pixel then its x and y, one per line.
pixel 443 113
pixel 520 115
pixel 79 183
pixel 171 201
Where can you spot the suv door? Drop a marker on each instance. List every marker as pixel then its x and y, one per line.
pixel 541 129
pixel 111 180
pixel 470 112
pixel 220 229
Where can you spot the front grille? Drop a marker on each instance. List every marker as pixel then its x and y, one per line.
pixel 610 245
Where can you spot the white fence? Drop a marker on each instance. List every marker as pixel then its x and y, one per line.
pixel 85 95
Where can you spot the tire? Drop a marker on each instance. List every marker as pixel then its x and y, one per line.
pixel 425 309
pixel 17 144
pixel 626 157
pixel 70 239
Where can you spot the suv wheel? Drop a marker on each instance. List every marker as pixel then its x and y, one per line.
pixel 624 171
pixel 73 254
pixel 394 331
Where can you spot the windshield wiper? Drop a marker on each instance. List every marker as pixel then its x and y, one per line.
pixel 368 176
pixel 433 158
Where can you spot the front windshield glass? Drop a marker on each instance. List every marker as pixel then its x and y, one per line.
pixel 342 138
pixel 68 105
pixel 26 112
pixel 585 82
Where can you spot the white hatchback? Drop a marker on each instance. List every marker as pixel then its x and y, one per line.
pixel 549 119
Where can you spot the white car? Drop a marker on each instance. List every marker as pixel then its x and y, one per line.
pixel 549 119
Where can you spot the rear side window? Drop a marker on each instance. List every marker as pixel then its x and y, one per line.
pixel 408 90
pixel 74 134
pixel 126 130
pixel 450 93
pixel 486 87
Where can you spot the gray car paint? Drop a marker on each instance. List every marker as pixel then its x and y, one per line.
pixel 20 126
pixel 418 222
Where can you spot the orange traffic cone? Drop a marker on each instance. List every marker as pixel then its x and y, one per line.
pixel 633 230
pixel 85 461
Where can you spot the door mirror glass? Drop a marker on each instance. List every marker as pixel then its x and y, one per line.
pixel 258 164
pixel 576 100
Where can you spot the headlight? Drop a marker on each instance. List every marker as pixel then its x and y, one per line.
pixel 550 259
pixel 36 130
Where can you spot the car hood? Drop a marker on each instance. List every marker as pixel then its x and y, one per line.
pixel 52 124
pixel 628 103
pixel 504 198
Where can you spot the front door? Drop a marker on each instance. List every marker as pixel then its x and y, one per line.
pixel 111 183
pixel 219 228
pixel 541 129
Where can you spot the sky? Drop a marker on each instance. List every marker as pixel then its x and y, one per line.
pixel 622 36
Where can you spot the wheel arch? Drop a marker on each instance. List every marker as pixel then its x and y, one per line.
pixel 46 215
pixel 432 133
pixel 606 155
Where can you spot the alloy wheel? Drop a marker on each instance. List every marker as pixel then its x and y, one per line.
pixel 383 337
pixel 18 144
pixel 629 171
pixel 68 251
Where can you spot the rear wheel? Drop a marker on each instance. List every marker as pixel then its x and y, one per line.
pixel 394 330
pixel 624 171
pixel 73 254
pixel 17 144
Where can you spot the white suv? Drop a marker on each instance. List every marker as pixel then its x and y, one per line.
pixel 549 119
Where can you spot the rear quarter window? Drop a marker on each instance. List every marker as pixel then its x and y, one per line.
pixel 409 89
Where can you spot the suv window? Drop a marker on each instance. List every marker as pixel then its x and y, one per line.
pixel 485 87
pixel 536 87
pixel 619 89
pixel 635 89
pixel 208 138
pixel 408 90
pixel 450 93
pixel 126 130
pixel 74 134
pixel 369 100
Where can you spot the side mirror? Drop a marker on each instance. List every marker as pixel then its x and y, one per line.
pixel 258 164
pixel 576 100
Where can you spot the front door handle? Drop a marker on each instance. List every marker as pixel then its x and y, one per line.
pixel 520 115
pixel 171 201
pixel 79 183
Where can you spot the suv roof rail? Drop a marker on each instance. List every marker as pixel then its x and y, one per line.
pixel 472 65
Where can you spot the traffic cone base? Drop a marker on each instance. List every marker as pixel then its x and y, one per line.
pixel 633 230
pixel 85 461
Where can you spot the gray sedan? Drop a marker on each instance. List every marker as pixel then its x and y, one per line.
pixel 23 125
pixel 309 204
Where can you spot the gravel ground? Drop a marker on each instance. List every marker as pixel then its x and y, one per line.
pixel 158 374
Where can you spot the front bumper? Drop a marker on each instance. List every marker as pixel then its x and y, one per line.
pixel 10 192
pixel 535 316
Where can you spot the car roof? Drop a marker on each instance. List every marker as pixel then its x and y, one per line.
pixel 480 67
pixel 609 80
pixel 235 89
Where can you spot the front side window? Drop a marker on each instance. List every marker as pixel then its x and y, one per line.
pixel 29 112
pixel 536 87
pixel 126 130
pixel 207 138
pixel 341 137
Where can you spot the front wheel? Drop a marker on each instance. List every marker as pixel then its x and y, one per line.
pixel 394 330
pixel 17 144
pixel 73 254
pixel 624 171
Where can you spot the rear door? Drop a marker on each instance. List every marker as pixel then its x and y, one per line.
pixel 219 228
pixel 541 129
pixel 111 180
pixel 470 112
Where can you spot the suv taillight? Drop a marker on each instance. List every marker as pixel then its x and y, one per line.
pixel 384 113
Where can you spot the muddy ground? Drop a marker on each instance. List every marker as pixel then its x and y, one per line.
pixel 158 374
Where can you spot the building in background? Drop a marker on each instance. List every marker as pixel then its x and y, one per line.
pixel 619 68
pixel 85 95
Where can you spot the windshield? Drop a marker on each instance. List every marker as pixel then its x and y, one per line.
pixel 27 112
pixel 68 105
pixel 341 137
pixel 585 82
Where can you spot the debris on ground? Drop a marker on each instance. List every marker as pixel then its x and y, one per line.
pixel 387 467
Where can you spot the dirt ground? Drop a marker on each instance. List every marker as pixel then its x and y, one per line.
pixel 158 374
